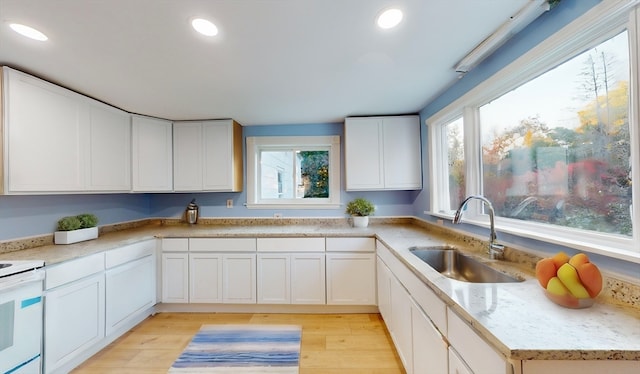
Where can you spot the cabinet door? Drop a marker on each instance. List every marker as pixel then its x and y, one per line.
pixel 152 157
pixel 239 278
pixel 109 166
pixel 401 322
pixel 187 156
pixel 457 364
pixel 222 158
pixel 384 292
pixel 402 154
pixel 74 320
pixel 175 278
pixel 205 278
pixel 274 281
pixel 363 154
pixel 429 347
pixel 130 288
pixel 45 130
pixel 474 350
pixel 351 279
pixel 308 284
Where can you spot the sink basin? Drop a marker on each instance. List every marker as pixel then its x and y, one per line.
pixel 451 263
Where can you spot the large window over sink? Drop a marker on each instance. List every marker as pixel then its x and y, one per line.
pixel 552 140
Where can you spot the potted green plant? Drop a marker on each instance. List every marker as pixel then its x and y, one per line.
pixel 360 209
pixel 73 229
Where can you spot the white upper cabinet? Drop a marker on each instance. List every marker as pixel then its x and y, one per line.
pixel 109 162
pixel 383 153
pixel 58 141
pixel 207 156
pixel 152 154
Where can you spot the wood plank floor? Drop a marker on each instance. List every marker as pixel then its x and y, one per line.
pixel 331 343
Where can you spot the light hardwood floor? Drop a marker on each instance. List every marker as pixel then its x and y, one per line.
pixel 331 343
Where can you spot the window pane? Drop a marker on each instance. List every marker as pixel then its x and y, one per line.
pixel 454 133
pixel 557 149
pixel 294 174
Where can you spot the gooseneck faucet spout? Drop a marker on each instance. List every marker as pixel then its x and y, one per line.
pixel 496 251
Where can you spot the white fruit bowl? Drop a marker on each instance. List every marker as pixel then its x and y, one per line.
pixel 569 301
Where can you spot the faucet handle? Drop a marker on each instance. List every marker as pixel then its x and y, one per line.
pixel 495 251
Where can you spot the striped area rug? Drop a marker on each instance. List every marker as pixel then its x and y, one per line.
pixel 241 349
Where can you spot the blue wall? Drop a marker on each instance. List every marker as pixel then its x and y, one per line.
pixel 22 216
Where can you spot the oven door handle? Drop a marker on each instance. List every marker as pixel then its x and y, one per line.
pixel 17 280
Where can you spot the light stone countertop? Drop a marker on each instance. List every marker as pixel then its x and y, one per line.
pixel 516 318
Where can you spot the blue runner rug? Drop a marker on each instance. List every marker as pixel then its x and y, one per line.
pixel 241 349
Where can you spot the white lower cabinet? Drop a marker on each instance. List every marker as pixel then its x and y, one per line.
pixel 308 278
pixel 130 289
pixel 429 346
pixel 205 278
pixel 74 320
pixel 457 364
pixel 384 291
pixel 239 278
pixel 351 271
pixel 472 349
pixel 274 279
pixel 175 277
pixel 401 322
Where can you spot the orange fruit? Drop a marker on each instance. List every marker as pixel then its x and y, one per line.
pixel 545 270
pixel 591 278
pixel 578 259
pixel 560 259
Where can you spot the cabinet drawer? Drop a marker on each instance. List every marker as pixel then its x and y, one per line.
pixel 73 270
pixel 129 253
pixel 175 245
pixel 222 244
pixel 475 352
pixel 351 244
pixel 290 245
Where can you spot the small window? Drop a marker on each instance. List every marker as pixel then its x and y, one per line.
pixel 293 172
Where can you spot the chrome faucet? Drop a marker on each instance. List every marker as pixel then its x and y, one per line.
pixel 496 251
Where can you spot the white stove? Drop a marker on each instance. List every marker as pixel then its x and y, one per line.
pixel 21 288
pixel 8 268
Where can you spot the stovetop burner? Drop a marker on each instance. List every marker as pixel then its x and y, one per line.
pixel 8 268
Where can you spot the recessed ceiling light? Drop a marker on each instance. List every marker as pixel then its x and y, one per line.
pixel 29 32
pixel 204 27
pixel 389 18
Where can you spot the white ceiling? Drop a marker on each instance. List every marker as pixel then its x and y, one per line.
pixel 273 62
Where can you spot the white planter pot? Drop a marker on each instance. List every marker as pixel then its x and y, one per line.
pixel 360 221
pixel 70 237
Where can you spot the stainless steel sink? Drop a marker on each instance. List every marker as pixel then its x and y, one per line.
pixel 453 264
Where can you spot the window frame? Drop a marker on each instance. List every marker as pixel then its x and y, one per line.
pixel 602 22
pixel 257 143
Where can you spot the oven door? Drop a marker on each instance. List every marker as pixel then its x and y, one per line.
pixel 21 322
